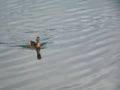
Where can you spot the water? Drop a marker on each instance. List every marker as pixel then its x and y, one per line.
pixel 80 44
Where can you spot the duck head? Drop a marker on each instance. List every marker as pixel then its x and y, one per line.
pixel 37 39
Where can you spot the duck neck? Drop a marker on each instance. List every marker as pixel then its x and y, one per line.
pixel 38 44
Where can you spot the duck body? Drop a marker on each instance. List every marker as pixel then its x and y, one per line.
pixel 36 44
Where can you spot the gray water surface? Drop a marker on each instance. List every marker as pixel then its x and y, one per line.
pixel 80 44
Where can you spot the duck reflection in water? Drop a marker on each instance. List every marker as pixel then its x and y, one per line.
pixel 37 46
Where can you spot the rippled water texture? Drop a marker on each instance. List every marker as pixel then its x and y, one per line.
pixel 80 44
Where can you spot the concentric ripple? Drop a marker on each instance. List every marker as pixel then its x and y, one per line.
pixel 80 45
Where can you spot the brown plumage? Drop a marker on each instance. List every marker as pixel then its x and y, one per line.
pixel 37 46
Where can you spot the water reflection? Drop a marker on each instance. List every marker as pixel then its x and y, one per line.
pixel 38 54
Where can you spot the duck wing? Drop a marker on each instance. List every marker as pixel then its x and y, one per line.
pixel 32 43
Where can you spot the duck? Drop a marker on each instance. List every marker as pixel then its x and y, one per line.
pixel 36 45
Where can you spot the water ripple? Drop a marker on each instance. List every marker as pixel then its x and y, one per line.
pixel 80 45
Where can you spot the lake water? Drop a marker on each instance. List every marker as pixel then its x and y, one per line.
pixel 80 44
